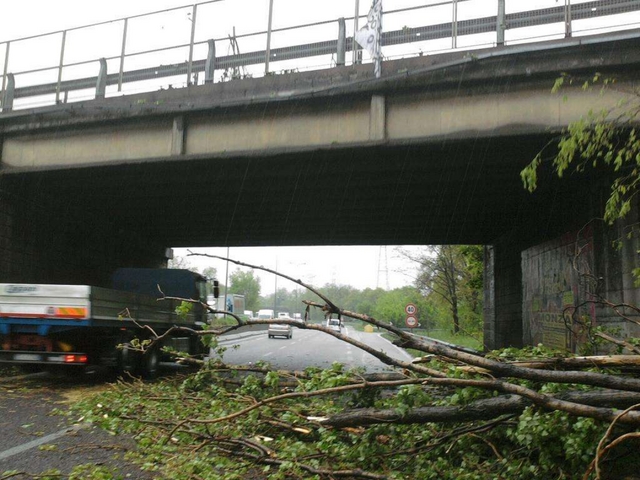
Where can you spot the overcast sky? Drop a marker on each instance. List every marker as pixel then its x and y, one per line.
pixel 359 266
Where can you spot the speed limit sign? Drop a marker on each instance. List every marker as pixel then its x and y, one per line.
pixel 410 309
pixel 411 321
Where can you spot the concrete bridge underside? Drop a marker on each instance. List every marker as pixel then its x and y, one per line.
pixel 431 154
pixel 448 192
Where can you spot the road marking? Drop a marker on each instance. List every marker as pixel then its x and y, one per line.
pixel 250 338
pixel 40 441
pixel 267 354
pixel 282 348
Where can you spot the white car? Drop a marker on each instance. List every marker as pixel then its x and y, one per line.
pixel 334 324
pixel 280 330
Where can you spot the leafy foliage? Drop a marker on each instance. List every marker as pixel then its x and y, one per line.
pixel 450 276
pixel 603 139
pixel 247 284
pixel 536 444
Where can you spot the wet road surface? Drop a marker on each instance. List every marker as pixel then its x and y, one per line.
pixel 37 434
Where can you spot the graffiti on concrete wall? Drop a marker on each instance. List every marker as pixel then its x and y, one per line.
pixel 557 289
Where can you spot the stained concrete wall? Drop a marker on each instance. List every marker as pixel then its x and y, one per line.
pixel 557 284
pixel 565 279
pixel 614 264
pixel 548 291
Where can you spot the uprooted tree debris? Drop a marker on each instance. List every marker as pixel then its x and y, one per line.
pixel 450 413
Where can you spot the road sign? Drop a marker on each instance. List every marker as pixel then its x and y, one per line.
pixel 410 309
pixel 411 321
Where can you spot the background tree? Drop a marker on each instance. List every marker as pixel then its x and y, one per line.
pixel 473 287
pixel 450 277
pixel 179 263
pixel 247 284
pixel 441 272
pixel 212 274
pixel 390 305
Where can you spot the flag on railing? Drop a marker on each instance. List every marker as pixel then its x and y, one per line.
pixel 369 36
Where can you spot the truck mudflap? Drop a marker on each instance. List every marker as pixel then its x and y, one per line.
pixel 43 358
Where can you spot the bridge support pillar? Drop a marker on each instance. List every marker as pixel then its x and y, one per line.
pixel 503 297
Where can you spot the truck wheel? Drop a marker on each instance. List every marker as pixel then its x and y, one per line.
pixel 126 360
pixel 196 347
pixel 150 362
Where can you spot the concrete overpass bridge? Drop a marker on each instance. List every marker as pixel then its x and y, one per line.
pixel 428 154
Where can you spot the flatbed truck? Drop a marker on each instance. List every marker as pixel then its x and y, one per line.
pixel 82 325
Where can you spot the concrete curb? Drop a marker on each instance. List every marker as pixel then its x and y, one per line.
pixel 237 336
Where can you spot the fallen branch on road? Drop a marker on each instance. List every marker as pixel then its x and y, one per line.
pixel 451 399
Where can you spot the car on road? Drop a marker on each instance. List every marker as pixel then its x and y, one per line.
pixel 334 324
pixel 280 330
pixel 265 314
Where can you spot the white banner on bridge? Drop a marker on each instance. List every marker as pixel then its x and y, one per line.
pixel 368 37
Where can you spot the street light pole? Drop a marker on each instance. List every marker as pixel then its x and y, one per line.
pixel 275 292
pixel 226 283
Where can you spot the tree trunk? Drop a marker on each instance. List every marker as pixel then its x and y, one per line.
pixel 485 409
pixel 454 313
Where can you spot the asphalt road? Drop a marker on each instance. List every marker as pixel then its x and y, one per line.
pixel 35 435
pixel 309 348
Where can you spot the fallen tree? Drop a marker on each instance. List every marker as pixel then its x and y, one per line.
pixel 451 413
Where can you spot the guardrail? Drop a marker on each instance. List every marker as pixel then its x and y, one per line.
pixel 70 76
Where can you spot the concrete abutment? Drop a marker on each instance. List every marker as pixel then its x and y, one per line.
pixel 41 243
pixel 551 292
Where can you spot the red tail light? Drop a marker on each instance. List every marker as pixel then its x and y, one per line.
pixel 75 359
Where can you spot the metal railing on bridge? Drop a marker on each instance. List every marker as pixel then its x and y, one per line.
pixel 129 55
